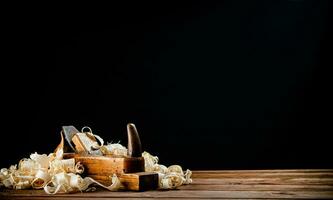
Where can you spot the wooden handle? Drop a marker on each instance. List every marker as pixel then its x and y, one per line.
pixel 134 143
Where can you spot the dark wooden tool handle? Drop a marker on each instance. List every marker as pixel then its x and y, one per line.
pixel 134 143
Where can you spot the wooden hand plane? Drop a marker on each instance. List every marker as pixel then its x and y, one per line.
pixel 130 168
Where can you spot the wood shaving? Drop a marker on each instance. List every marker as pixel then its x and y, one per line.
pixel 169 178
pixel 114 149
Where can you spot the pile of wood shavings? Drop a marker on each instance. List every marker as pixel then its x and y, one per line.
pixel 57 175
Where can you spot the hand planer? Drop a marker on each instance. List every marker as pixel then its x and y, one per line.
pixel 130 169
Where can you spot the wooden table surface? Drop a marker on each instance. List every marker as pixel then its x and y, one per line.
pixel 222 184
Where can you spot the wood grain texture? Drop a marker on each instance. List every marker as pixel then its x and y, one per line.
pixel 224 184
pixel 108 165
pixel 130 170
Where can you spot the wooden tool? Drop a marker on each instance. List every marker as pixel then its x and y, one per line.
pixel 130 169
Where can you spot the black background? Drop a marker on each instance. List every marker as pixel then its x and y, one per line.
pixel 235 84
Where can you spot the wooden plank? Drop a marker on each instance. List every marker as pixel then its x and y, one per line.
pixel 248 174
pixel 225 184
pixel 192 194
pixel 258 187
pixel 265 175
pixel 267 181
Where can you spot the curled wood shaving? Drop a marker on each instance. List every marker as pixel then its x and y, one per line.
pixel 41 179
pixel 94 145
pixel 52 175
pixel 70 182
pixel 169 177
pixel 114 149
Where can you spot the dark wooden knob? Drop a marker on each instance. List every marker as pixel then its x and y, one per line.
pixel 134 143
